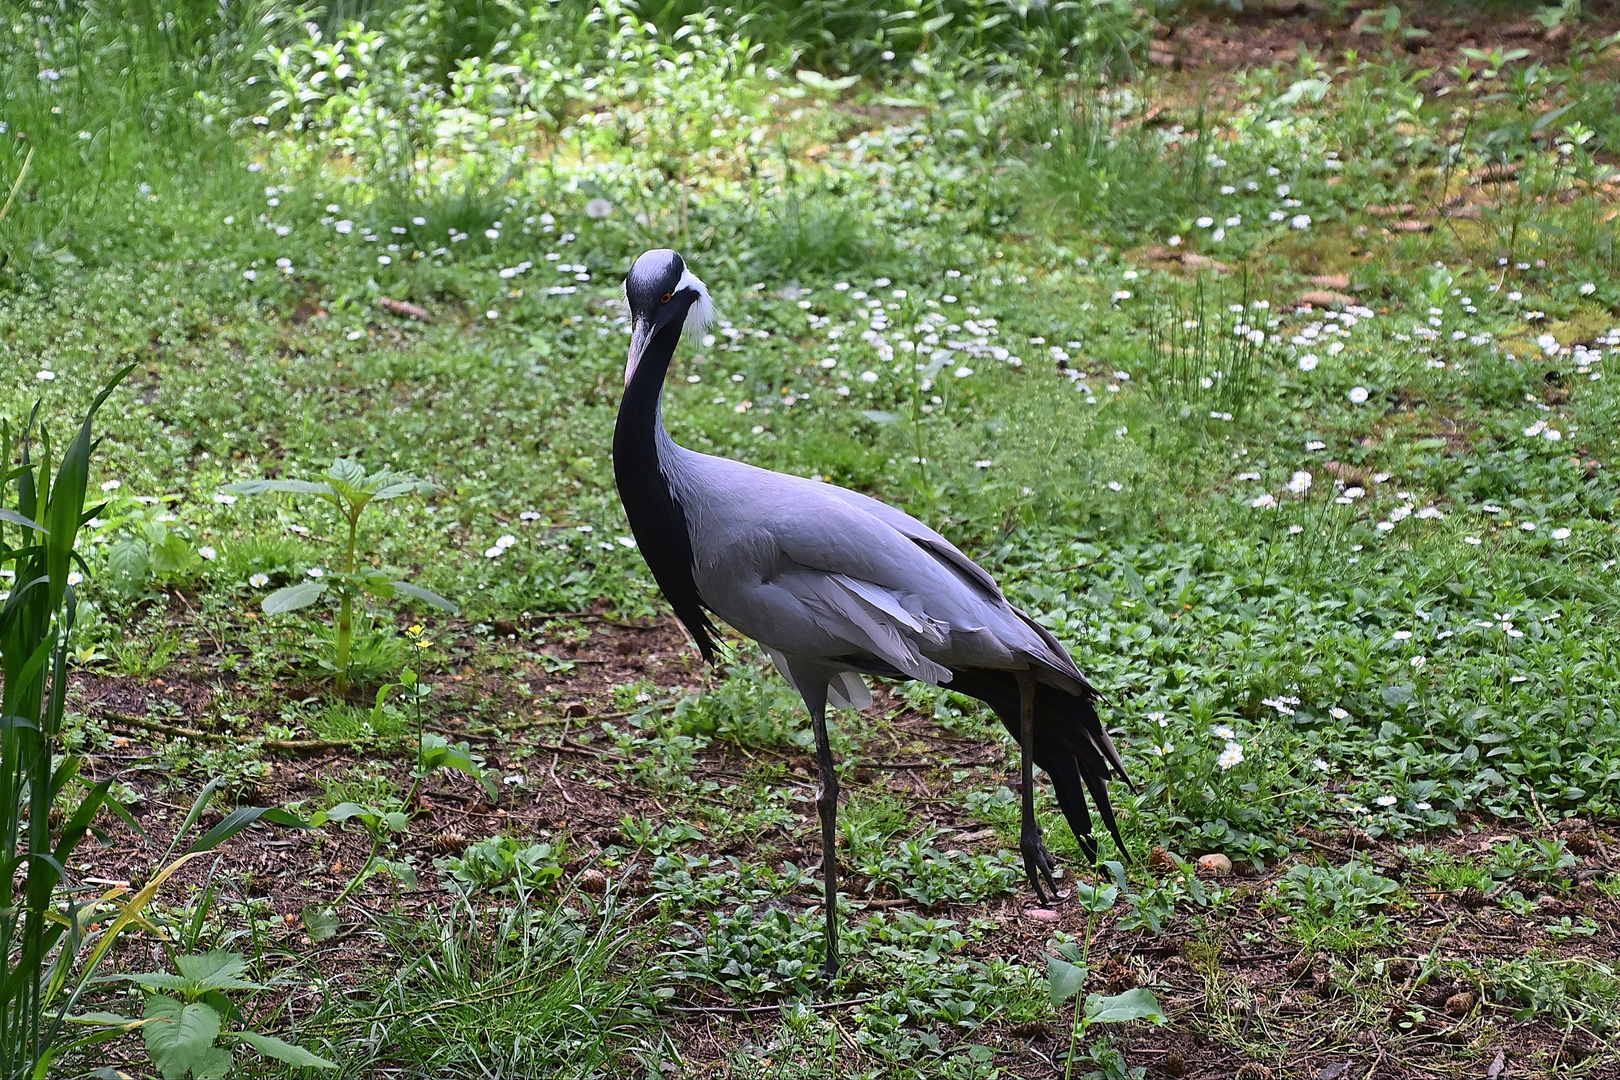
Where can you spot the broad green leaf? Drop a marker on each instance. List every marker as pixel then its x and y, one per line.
pixel 404 872
pixel 1429 444
pixel 346 471
pixel 342 812
pixel 817 81
pixel 216 969
pixel 1118 870
pixel 272 1047
pixel 173 556
pixel 293 597
pixel 878 416
pixel 1064 979
pixel 178 1036
pixel 215 1064
pixel 426 595
pixel 157 980
pixel 1399 694
pixel 404 486
pixel 1137 1004
pixel 437 753
pixel 129 560
pixel 284 487
pixel 381 588
pixel 320 923
pixel 1093 899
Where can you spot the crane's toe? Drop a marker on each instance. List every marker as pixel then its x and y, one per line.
pixel 1038 865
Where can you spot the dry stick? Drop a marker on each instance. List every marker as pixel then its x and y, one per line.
pixel 292 745
pixel 1535 802
pixel 567 798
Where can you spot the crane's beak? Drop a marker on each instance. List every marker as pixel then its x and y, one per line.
pixel 641 333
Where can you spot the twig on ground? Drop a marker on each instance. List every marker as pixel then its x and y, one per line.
pixel 567 798
pixel 401 307
pixel 297 746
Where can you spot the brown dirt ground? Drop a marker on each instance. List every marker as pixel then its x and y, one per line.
pixel 1277 30
pixel 1239 979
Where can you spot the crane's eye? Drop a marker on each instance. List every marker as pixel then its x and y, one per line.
pixel 667 297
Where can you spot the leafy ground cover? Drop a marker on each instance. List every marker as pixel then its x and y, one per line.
pixel 1260 355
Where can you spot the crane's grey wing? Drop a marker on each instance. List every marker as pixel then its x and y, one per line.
pixel 811 575
pixel 815 570
pixel 921 535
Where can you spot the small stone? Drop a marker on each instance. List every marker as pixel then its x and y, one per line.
pixel 1460 1003
pixel 401 307
pixel 1323 298
pixel 593 881
pixel 1214 864
pixel 1040 914
pixel 1499 173
pixel 1194 261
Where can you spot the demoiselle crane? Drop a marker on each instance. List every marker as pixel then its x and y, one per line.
pixel 836 585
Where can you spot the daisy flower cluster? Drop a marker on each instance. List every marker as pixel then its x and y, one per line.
pixel 1324 333
pixel 876 344
pixel 1249 208
pixel 1528 528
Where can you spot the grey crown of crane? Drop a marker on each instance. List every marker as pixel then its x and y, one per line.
pixel 835 585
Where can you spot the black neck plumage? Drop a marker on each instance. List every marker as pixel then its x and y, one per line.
pixel 656 517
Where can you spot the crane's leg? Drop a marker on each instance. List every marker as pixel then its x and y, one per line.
pixel 1037 860
pixel 827 804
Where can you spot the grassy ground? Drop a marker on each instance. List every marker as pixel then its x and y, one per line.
pixel 1260 356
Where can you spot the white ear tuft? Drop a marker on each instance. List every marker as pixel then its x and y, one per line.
pixel 701 313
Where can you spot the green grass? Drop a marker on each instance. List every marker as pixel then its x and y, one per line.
pixel 502 992
pixel 1300 536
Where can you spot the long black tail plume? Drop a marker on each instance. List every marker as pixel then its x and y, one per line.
pixel 1068 735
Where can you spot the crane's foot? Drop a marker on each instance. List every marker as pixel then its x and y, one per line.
pixel 1038 865
pixel 829 975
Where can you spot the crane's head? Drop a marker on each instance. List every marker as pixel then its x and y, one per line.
pixel 661 291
